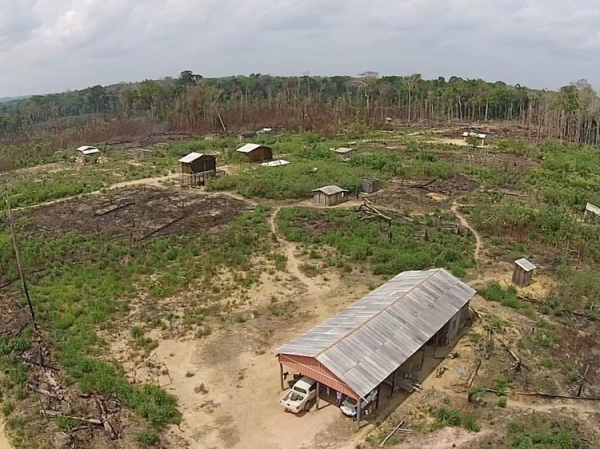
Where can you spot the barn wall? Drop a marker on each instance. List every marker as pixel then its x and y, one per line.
pixel 311 367
pixel 320 198
pixel 336 199
pixel 203 164
pixel 522 278
pixel 260 154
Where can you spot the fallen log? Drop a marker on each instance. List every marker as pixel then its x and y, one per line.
pixel 474 310
pixel 474 373
pixel 424 186
pixel 41 365
pixel 108 428
pixel 160 228
pixel 56 414
pixel 555 396
pixel 114 209
pixel 580 390
pixel 394 430
pixel 372 209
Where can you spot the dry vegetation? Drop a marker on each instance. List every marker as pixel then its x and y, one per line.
pixel 158 307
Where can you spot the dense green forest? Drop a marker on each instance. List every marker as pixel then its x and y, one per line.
pixel 196 104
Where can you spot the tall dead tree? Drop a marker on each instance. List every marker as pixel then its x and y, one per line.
pixel 18 259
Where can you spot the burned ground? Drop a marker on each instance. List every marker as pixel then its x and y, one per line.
pixel 135 213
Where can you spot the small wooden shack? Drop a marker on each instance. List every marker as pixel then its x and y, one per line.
pixel 370 185
pixel 329 195
pixel 196 167
pixel 523 274
pixel 344 153
pixel 256 152
pixel 591 210
pixel 139 154
pixel 87 154
pixel 481 136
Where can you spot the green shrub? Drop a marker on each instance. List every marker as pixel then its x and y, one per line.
pixel 149 438
pixel 507 297
pixel 476 392
pixel 469 422
pixel 547 362
pixel 8 408
pixel 448 417
pixel 367 241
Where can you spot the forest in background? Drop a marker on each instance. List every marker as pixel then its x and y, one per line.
pixel 191 103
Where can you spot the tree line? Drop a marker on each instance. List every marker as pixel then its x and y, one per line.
pixel 196 104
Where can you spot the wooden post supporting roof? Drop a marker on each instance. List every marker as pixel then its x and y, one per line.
pixel 318 395
pixel 281 376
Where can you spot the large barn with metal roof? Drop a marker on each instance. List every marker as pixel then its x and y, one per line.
pixel 358 349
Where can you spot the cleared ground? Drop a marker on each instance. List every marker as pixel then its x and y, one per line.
pixel 206 332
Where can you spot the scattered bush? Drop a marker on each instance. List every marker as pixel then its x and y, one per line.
pixel 368 241
pixel 149 438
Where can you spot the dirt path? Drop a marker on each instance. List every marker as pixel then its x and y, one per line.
pixel 293 265
pixel 4 444
pixel 465 223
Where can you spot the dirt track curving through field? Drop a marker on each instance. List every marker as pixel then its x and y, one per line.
pixel 293 265
pixel 465 223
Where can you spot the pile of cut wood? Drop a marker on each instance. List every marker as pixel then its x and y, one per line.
pixel 409 385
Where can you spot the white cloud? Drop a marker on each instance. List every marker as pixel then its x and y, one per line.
pixel 52 45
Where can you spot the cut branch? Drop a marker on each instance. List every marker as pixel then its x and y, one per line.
pixel 18 258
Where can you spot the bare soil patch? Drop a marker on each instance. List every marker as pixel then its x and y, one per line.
pixel 137 212
pixel 227 383
pixel 424 195
pixel 4 444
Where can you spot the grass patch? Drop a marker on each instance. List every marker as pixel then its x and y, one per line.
pixel 367 241
pixel 452 417
pixel 299 178
pixel 540 432
pixel 507 297
pixel 87 284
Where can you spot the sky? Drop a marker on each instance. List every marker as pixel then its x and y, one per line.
pixel 57 45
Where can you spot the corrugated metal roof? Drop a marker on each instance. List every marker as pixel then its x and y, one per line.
pixel 478 135
pixel 249 147
pixel 525 264
pixel 87 150
pixel 190 158
pixel 275 163
pixel 343 150
pixel 367 341
pixel 330 190
pixel 589 207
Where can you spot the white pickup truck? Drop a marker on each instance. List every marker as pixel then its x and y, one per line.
pixel 300 396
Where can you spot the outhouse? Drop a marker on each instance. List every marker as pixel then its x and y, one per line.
pixel 329 195
pixel 370 185
pixel 523 274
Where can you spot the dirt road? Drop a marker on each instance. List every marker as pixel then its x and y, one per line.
pixel 465 223
pixel 293 265
pixel 227 383
pixel 4 444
